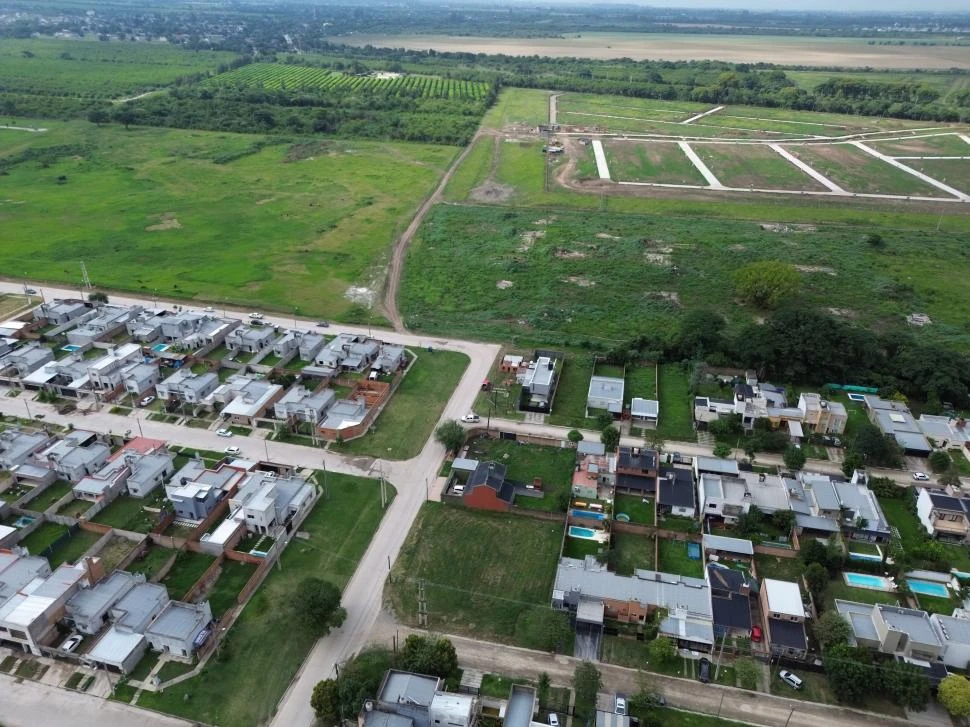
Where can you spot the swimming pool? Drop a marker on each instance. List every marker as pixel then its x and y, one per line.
pixel 873 583
pixel 577 532
pixel 160 347
pixel 865 556
pixel 23 521
pixel 928 588
pixel 70 348
pixel 694 551
pixel 589 514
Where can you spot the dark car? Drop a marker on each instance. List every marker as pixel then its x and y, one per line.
pixel 323 324
pixel 704 670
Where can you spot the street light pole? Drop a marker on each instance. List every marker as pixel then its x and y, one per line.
pixel 138 421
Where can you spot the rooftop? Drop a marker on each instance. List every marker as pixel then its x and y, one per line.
pixel 784 597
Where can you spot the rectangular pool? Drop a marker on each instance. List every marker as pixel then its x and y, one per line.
pixel 928 588
pixel 577 532
pixel 588 514
pixel 70 348
pixel 864 580
pixel 865 556
pixel 160 347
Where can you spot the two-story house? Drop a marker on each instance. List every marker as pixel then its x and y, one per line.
pixel 185 386
pixel 636 471
pixel 268 502
pixel 893 630
pixel 27 359
pixel 784 615
pixel 249 339
pixel 139 378
pixel 944 515
pixel 303 405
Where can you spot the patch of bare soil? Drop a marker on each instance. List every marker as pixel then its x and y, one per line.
pixel 261 202
pixel 308 150
pixel 529 238
pixel 815 269
pixel 166 221
pixel 569 254
pixel 504 284
pixel 843 312
pixel 781 227
pixel 738 248
pixel 545 221
pixel 607 236
pixel 489 191
pixel 580 281
pixel 670 296
pixel 657 258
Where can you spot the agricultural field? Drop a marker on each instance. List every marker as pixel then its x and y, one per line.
pixel 286 224
pixel 272 75
pixel 606 276
pixel 95 69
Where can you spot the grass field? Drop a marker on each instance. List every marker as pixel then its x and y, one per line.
pixel 233 576
pixel 244 683
pixel 639 511
pixel 409 418
pixel 127 513
pixel 954 172
pixel 486 575
pixel 97 69
pixel 524 107
pixel 753 165
pixel 672 558
pixel 658 162
pixel 73 548
pixel 633 552
pixel 920 145
pixel 188 568
pixel 553 465
pixel 152 562
pixel 284 223
pixel 43 537
pixel 676 414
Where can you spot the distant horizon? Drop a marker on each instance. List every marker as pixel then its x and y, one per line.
pixel 827 6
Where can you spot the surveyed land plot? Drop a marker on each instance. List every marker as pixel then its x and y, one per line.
pixel 754 166
pixel 953 172
pixel 657 162
pixel 920 145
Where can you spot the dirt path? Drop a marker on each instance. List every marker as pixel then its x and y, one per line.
pixel 393 283
pixel 134 98
pixel 23 128
pixel 553 108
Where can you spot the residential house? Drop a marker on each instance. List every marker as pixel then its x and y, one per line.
pixel 89 610
pixel 303 405
pixel 715 466
pixel 729 497
pixel 248 398
pixel 594 470
pixel 27 359
pixel 268 502
pixel 75 456
pixel 605 394
pixel 522 705
pixel 731 592
pixel 708 409
pixel 586 588
pixel 894 419
pixel 636 471
pixel 184 386
pixel 106 373
pixel 675 492
pixel 195 491
pixel 61 311
pixel 822 416
pixel 904 632
pixel 753 401
pixel 135 610
pixel 191 331
pixel 286 344
pixel 539 381
pixel 954 634
pixel 487 489
pixel 139 378
pixel 145 326
pixel 348 352
pixel 344 414
pixel 309 345
pixel 16 446
pixel 180 629
pixel 390 359
pixel 29 613
pixel 148 471
pixel 784 615
pixel 720 547
pixel 644 412
pixel 137 472
pixel 944 515
pixel 406 699
pixel 823 505
pixel 104 485
pixel 945 432
pixel 117 650
pixel 249 339
pixel 511 364
pixel 101 324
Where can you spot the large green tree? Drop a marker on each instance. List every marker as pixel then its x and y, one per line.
pixel 429 655
pixel 766 283
pixel 954 695
pixel 316 605
pixel 451 434
pixel 832 630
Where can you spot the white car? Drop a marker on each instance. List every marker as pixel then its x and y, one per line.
pixel 72 642
pixel 553 719
pixel 146 401
pixel 620 708
pixel 234 451
pixel 223 432
pixel 921 477
pixel 256 316
pixel 470 418
pixel 209 309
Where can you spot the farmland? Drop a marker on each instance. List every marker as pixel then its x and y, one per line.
pixel 286 223
pixel 271 75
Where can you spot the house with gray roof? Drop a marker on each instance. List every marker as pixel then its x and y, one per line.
pixel 187 387
pixel 286 344
pixel 74 457
pixel 728 497
pixel 179 627
pixel 191 331
pixel 146 325
pixel 250 339
pixel 268 502
pixel 106 372
pixel 309 345
pixel 246 398
pixel 17 446
pixel 195 491
pixel 389 359
pixel 344 414
pixel 29 616
pixel 892 630
pixel 406 699
pixel 824 505
pixel 88 610
pixel 139 378
pixel 731 592
pixel 101 324
pixel 893 418
pixel 644 412
pixel 676 494
pixel 304 405
pixel 539 381
pixel 61 311
pixel 27 359
pixel 715 466
pixel 117 650
pixel 605 394
pixel 138 607
pixel 944 515
pixel 954 634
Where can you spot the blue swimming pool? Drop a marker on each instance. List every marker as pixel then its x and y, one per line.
pixel 23 521
pixel 694 551
pixel 865 556
pixel 70 348
pixel 928 588
pixel 589 514
pixel 577 532
pixel 873 583
pixel 160 347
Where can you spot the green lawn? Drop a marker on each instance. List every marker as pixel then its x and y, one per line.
pixel 639 511
pixel 782 569
pixel 51 495
pixel 152 562
pixel 569 407
pixel 145 666
pixel 244 683
pixel 409 418
pixel 633 552
pixel 676 405
pixel 129 193
pixel 932 604
pixel 579 548
pixel 127 513
pixel 486 574
pixel 838 589
pixel 553 465
pixel 232 578
pixel 75 507
pixel 641 381
pixel 39 540
pixel 672 558
pixel 173 669
pixel 188 568
pixel 679 523
pixel 73 548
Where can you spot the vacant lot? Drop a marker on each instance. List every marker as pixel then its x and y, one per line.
pixel 485 574
pixel 245 682
pixel 658 162
pixel 240 218
pixel 633 552
pixel 754 165
pixel 937 145
pixel 188 568
pixel 855 171
pixel 954 172
pixel 128 513
pixel 525 462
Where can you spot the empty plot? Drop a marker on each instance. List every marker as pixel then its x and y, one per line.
pixel 937 145
pixel 635 107
pixel 954 172
pixel 855 171
pixel 815 122
pixel 754 165
pixel 656 162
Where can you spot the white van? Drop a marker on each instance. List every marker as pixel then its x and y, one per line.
pixel 458 490
pixel 790 679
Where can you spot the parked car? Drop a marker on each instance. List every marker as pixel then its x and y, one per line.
pixel 470 418
pixel 323 324
pixel 30 291
pixel 72 642
pixel 921 477
pixel 620 706
pixel 553 719
pixel 756 634
pixel 255 316
pixel 146 401
pixel 223 432
pixel 234 451
pixel 704 670
pixel 209 309
pixel 790 679
pixel 676 458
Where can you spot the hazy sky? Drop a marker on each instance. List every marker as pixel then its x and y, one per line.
pixel 846 5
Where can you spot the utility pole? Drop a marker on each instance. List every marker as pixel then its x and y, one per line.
pixel 326 487
pixel 423 606
pixel 491 406
pixel 383 490
pixel 85 280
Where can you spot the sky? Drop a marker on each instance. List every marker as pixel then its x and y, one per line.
pixel 844 5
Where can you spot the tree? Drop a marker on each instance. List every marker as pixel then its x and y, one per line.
pixel 722 450
pixel 874 239
pixel 429 655
pixel 940 461
pixel 316 604
pixel 662 650
pixel 451 434
pixel 701 333
pixel 98 116
pixel 951 476
pixel 587 682
pixel 851 462
pixel 954 695
pixel 603 420
pixel 766 283
pixel 575 436
pixel 125 115
pixel 832 630
pixel 542 690
pixel 814 552
pixel 849 679
pixel 325 700
pixel 794 458
pixel 876 448
pixel 544 628
pixel 98 297
pixel 784 520
pixel 748 673
pixel 905 685
pixel 610 437
pixel 817 579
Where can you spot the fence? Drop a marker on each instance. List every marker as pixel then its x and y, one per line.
pixel 210 574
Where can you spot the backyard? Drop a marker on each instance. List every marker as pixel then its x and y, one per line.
pixel 633 552
pixel 672 558
pixel 676 414
pixel 72 548
pixel 152 562
pixel 640 511
pixel 188 568
pixel 244 683
pixel 232 577
pixel 127 513
pixel 484 574
pixel 526 462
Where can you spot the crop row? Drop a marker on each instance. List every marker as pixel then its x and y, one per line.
pixel 276 76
